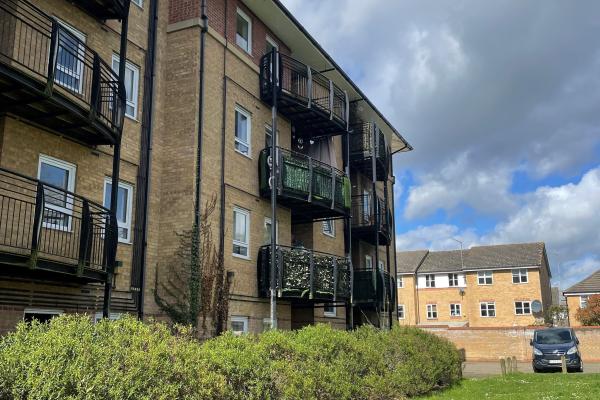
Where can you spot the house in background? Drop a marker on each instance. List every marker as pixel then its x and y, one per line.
pixel 578 294
pixel 500 285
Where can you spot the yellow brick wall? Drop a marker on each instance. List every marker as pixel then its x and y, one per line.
pixel 406 297
pixel 573 304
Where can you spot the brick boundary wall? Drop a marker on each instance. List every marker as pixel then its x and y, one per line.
pixel 492 343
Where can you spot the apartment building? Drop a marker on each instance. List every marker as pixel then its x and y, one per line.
pixel 181 102
pixel 578 294
pixel 486 286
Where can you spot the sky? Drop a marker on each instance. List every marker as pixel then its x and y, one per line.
pixel 501 102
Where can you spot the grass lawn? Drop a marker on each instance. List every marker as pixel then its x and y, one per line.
pixel 526 386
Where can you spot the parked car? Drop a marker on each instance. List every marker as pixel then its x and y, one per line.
pixel 549 345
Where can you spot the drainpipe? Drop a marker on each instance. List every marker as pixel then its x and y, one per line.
pixel 274 182
pixel 115 173
pixel 394 250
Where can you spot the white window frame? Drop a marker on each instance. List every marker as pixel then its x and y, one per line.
pixel 452 282
pixel 248 115
pixel 248 20
pixel 520 273
pixel 266 222
pixel 401 311
pixel 78 73
pixel 68 210
pixel 331 233
pixel 272 42
pixel 244 321
pixel 457 306
pixel 429 283
pixel 139 3
pixel 482 276
pixel 330 314
pixel 245 212
pixel 48 311
pixel 368 262
pixel 399 282
pixel 432 312
pixel 523 302
pixel 487 309
pixel 583 301
pixel 135 84
pixel 127 224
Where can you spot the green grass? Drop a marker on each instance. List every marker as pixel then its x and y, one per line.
pixel 525 387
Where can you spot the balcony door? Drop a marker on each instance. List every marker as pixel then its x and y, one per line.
pixel 69 58
pixel 366 208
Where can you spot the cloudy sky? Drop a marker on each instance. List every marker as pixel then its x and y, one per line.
pixel 501 101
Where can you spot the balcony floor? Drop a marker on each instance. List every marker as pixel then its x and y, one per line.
pixel 25 97
pixel 367 234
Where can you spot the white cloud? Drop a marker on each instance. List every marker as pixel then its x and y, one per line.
pixel 436 237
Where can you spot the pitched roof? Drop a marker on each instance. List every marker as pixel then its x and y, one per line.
pixel 589 284
pixel 477 257
pixel 409 261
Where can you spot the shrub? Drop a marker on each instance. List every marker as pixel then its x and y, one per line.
pixel 590 315
pixel 72 358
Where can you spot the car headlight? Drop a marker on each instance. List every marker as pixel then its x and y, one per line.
pixel 537 352
pixel 572 350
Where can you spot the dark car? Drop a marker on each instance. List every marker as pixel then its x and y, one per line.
pixel 549 345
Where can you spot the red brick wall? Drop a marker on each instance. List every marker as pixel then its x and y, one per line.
pixel 490 344
pixel 180 10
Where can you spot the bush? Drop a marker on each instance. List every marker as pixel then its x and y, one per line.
pixel 72 358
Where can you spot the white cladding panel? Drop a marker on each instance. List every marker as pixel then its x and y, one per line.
pixel 441 281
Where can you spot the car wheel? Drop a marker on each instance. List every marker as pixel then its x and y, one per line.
pixel 535 370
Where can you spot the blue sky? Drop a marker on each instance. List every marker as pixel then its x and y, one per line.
pixel 501 101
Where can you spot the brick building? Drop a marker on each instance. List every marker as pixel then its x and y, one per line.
pixel 176 102
pixel 578 294
pixel 484 286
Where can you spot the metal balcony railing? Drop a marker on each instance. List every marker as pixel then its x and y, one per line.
pixel 362 150
pixel 305 274
pixel 368 217
pixel 313 102
pixel 45 227
pixel 105 9
pixel 43 62
pixel 374 287
pixel 314 190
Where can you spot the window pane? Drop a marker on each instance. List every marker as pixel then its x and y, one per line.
pixel 242 33
pixel 239 227
pixel 241 127
pixel 56 176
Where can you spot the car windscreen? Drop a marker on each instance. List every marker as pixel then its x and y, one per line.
pixel 553 337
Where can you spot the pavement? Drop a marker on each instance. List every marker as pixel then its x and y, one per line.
pixel 480 369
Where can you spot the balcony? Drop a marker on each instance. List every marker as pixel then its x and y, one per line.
pixel 371 221
pixel 312 189
pixel 304 275
pixel 52 79
pixel 369 287
pixel 105 9
pixel 363 149
pixel 314 104
pixel 46 232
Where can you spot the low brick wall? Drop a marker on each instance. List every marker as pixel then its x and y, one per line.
pixel 490 344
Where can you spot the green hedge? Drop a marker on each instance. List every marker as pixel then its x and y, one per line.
pixel 71 358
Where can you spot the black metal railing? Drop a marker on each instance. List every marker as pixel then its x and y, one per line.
pixel 46 224
pixel 304 179
pixel 304 274
pixel 363 149
pixel 306 88
pixel 374 286
pixel 366 212
pixel 38 46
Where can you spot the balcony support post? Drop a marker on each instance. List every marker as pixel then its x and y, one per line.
pixel 348 237
pixel 332 187
pixel 312 274
pixel 84 237
pixel 330 99
pixel 376 212
pixel 52 58
pixel 309 85
pixel 335 278
pixel 37 225
pixel 95 97
pixel 280 270
pixel 347 111
pixel 387 250
pixel 274 185
pixel 310 179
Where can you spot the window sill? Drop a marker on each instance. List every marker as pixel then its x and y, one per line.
pixel 245 155
pixel 247 258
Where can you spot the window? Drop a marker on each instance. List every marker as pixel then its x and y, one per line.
pixel 124 202
pixel 241 232
pixel 429 280
pixel 381 266
pixel 368 262
pixel 270 45
pixel 487 309
pixel 243 35
pixel 583 301
pixel 366 208
pixel 58 205
pixel 239 325
pixel 269 136
pixel 242 131
pixel 138 3
pixel 431 311
pixel 267 234
pixel 455 310
pixel 400 311
pixel 329 227
pixel 452 280
pixel 519 275
pixel 40 314
pixel 132 80
pixel 400 282
pixel 522 307
pixel 69 64
pixel 485 278
pixel 329 311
